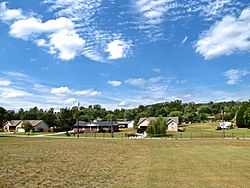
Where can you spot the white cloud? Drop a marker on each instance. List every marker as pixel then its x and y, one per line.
pixel 114 83
pixel 29 27
pixel 4 82
pixel 123 104
pixel 234 75
pixel 184 40
pixel 10 14
pixel 13 93
pixel 15 74
pixel 214 8
pixel 61 91
pixel 88 92
pixel 226 37
pixel 154 80
pixel 151 16
pixel 62 37
pixel 70 101
pixel 156 70
pixel 118 49
pixel 136 81
pixel 68 43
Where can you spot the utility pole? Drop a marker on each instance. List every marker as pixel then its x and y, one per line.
pixel 78 106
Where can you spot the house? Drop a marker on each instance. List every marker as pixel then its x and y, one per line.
pixel 126 124
pixel 172 123
pixel 96 126
pixel 17 125
pixel 10 126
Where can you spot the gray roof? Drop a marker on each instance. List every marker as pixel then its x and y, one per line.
pixel 14 123
pixel 168 119
pixel 34 123
pixel 98 123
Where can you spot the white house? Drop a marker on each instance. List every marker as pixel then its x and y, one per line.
pixel 131 124
pixel 172 123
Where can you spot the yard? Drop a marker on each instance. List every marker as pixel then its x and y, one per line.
pixel 50 162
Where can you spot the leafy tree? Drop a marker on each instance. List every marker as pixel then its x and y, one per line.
pixel 203 116
pixel 50 118
pixel 29 115
pixel 204 109
pixel 157 126
pixel 228 116
pixel 247 117
pixel 241 116
pixel 110 117
pixel 2 116
pixel 178 114
pixel 27 126
pixel 84 118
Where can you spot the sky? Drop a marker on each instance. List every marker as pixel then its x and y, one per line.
pixel 123 53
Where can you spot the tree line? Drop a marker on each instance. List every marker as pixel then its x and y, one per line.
pixel 187 113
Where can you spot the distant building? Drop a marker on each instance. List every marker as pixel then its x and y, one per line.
pixel 172 123
pixel 17 125
pixel 96 126
pixel 125 124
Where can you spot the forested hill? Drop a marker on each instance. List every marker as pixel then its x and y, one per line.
pixel 187 112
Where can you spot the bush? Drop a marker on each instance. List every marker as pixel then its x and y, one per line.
pixel 67 133
pixel 162 135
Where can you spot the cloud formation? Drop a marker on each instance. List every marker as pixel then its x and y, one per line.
pixel 234 75
pixel 227 36
pixel 10 14
pixel 63 40
pixel 61 91
pixel 136 81
pixel 114 83
pixel 4 82
pixel 117 49
pixel 88 92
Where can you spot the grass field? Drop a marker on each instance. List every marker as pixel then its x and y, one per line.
pixel 44 162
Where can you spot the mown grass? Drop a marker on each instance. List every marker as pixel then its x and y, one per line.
pixel 44 162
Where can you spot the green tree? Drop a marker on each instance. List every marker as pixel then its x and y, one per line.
pixel 27 126
pixel 178 114
pixel 49 118
pixel 247 117
pixel 203 116
pixel 157 126
pixel 84 118
pixel 2 116
pixel 241 116
pixel 110 117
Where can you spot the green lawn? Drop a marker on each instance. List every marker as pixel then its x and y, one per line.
pixel 208 130
pixel 50 162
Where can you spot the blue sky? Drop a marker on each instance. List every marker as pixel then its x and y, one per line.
pixel 123 53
